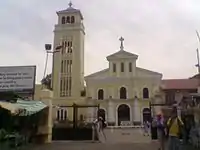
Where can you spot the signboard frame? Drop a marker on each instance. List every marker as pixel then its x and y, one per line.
pixel 22 91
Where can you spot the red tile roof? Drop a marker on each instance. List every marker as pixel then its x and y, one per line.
pixel 179 84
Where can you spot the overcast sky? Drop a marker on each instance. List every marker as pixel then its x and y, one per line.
pixel 162 33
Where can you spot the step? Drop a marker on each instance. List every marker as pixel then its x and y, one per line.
pixel 126 135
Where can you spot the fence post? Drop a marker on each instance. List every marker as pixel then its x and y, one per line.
pixel 93 132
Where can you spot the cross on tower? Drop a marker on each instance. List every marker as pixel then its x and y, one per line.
pixel 70 4
pixel 122 43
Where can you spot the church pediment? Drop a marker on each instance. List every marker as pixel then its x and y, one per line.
pixel 122 55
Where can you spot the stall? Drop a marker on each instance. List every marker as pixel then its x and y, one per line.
pixel 23 121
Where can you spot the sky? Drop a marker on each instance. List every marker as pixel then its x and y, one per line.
pixel 162 33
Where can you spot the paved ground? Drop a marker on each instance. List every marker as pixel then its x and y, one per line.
pixel 100 146
pixel 95 146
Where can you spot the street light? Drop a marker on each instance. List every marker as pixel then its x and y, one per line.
pixel 48 49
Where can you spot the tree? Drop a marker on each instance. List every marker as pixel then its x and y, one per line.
pixel 46 81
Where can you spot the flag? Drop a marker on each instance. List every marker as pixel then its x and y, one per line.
pixel 59 47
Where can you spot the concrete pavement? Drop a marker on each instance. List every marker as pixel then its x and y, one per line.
pixel 96 146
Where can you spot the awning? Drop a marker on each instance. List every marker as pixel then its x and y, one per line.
pixel 24 107
pixel 30 107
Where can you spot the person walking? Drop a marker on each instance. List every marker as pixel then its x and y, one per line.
pixel 174 125
pixel 146 128
pixel 161 131
pixel 100 126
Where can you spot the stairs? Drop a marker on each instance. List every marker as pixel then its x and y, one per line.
pixel 126 135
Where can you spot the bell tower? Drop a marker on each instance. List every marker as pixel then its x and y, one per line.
pixel 68 58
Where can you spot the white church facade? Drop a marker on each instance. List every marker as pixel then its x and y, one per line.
pixel 122 91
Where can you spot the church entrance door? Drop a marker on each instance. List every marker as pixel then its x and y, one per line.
pixel 123 112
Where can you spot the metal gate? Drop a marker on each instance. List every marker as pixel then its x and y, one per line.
pixel 79 129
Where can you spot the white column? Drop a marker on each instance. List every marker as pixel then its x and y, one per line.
pixel 136 110
pixel 111 112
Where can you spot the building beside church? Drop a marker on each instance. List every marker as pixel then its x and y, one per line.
pixel 123 90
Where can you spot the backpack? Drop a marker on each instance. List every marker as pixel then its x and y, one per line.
pixel 170 124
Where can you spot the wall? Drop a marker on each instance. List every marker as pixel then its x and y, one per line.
pixel 111 87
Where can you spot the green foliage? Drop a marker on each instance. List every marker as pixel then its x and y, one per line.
pixel 47 81
pixel 2 134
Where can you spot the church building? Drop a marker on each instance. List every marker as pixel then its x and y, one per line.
pixel 122 91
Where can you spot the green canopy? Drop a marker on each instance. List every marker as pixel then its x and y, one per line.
pixel 29 107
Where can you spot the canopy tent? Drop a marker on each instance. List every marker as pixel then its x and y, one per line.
pixel 24 107
pixel 30 107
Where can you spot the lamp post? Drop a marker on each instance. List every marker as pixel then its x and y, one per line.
pixel 48 49
pixel 198 65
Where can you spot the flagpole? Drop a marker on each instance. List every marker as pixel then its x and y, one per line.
pixel 198 65
pixel 45 66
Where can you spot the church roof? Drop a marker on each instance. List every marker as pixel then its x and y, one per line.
pixel 70 9
pixel 98 73
pixel 122 54
pixel 179 84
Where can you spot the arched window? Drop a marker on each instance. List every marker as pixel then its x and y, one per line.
pixel 122 67
pixel 145 93
pixel 68 19
pixel 114 67
pixel 101 94
pixel 122 93
pixel 63 20
pixel 72 19
pixel 62 68
pixel 130 67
